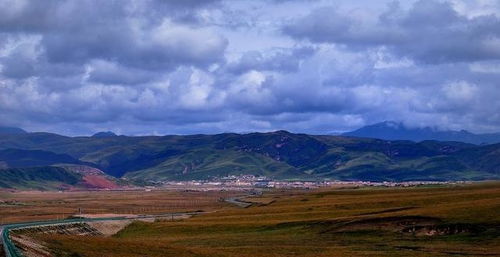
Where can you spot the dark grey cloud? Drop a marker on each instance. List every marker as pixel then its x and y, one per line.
pixel 16 66
pixel 35 16
pixel 113 73
pixel 284 60
pixel 79 31
pixel 20 63
pixel 430 31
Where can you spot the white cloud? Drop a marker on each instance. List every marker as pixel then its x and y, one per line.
pixel 198 91
pixel 460 91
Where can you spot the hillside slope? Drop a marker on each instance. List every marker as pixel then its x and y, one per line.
pixel 207 163
pixel 66 177
pixel 15 158
pixel 40 178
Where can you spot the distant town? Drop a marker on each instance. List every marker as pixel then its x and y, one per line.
pixel 243 182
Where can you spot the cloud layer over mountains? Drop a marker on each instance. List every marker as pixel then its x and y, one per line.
pixel 162 67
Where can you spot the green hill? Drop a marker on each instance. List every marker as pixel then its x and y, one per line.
pixel 206 163
pixel 40 178
pixel 277 154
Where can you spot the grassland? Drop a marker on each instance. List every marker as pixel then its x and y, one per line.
pixel 452 221
pixel 36 205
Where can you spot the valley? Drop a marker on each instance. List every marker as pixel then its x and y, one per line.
pixel 258 194
pixel 217 128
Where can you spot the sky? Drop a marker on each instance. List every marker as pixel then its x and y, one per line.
pixel 154 67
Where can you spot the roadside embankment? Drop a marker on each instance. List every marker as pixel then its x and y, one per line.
pixel 24 238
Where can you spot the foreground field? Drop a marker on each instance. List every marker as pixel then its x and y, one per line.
pixel 354 222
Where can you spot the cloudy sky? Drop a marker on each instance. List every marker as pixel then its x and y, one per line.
pixel 192 66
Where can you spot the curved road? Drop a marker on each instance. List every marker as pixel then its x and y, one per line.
pixel 11 250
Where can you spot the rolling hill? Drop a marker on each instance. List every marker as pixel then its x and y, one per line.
pixel 279 154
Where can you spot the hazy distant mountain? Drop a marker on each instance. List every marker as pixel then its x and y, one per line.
pixel 390 130
pixel 279 154
pixel 104 134
pixel 11 130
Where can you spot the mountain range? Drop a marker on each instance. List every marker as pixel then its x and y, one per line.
pixel 279 155
pixel 390 130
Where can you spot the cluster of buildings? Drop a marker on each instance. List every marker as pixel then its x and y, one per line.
pixel 235 182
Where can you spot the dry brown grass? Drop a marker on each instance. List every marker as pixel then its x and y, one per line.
pixel 328 223
pixel 35 206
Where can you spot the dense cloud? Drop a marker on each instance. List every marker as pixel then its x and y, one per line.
pixel 285 60
pixel 430 31
pixel 142 67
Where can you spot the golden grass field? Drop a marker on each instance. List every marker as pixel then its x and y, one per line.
pixel 333 222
